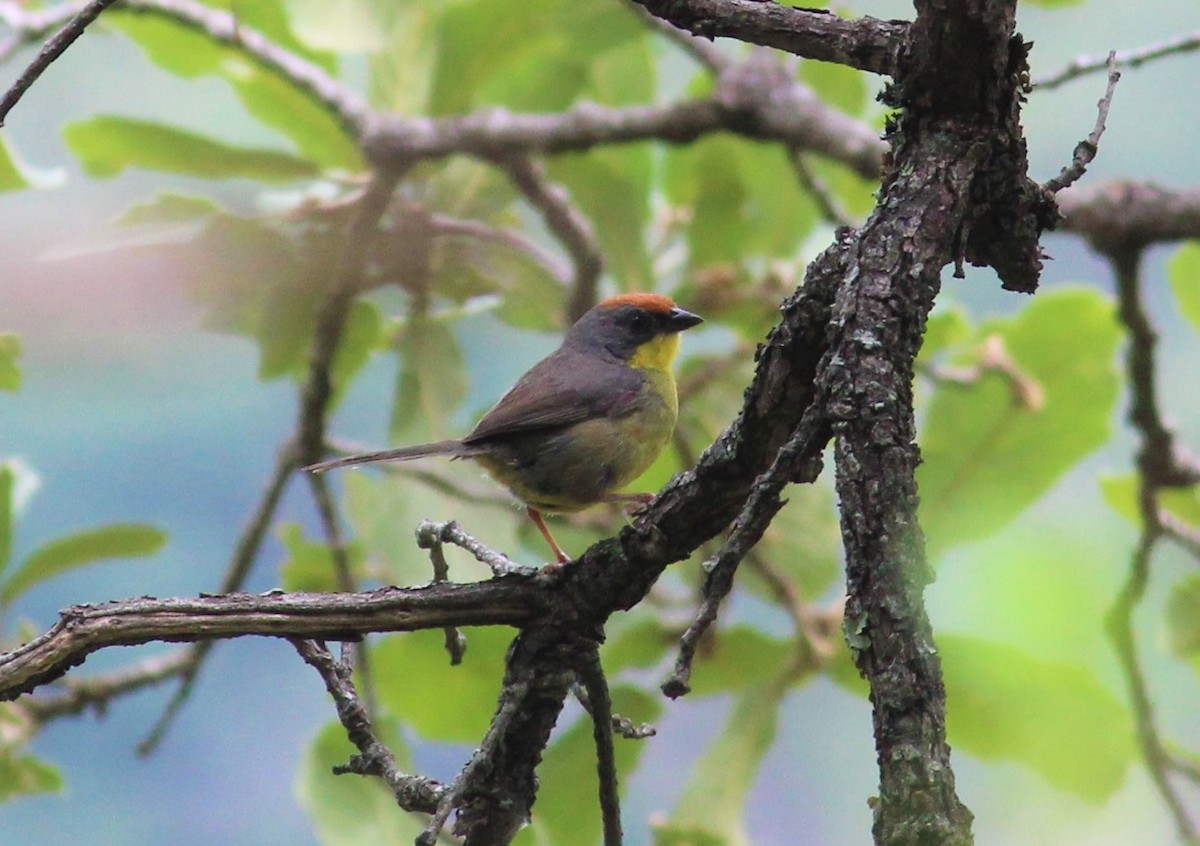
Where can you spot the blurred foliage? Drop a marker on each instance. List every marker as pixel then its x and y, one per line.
pixel 1008 406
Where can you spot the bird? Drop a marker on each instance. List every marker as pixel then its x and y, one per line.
pixel 583 422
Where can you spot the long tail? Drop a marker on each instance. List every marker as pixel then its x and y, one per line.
pixel 399 454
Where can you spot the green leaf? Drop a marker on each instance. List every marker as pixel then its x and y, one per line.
pixel 10 371
pixel 1121 494
pixel 109 144
pixel 842 87
pixel 23 775
pixel 341 26
pixel 361 336
pixel 310 564
pixel 639 643
pixel 741 657
pixel 432 381
pixel 612 187
pixel 1056 719
pixel 1184 272
pixel 714 800
pixel 253 280
pixel 12 173
pixel 539 56
pixel 989 450
pixel 8 481
pixel 169 208
pixel 803 543
pixel 119 540
pixel 349 810
pixel 1183 618
pixel 440 701
pixel 945 328
pixel 743 197
pixel 266 95
pixel 568 810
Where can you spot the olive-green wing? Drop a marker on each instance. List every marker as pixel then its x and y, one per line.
pixel 565 388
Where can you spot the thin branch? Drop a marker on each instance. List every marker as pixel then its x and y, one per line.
pixel 756 111
pixel 446 226
pixel 84 629
pixel 345 103
pixel 413 793
pixel 594 682
pixel 567 223
pixel 1117 215
pixel 792 463
pixel 1124 58
pixel 1156 469
pixel 621 725
pixel 863 43
pixel 1085 151
pixel 344 577
pixel 50 51
pixel 318 388
pixel 95 693
pixel 430 534
pixel 830 206
pixel 464 781
pixel 428 537
pixel 699 48
pixel 1183 534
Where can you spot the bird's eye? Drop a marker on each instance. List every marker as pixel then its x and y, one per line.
pixel 639 321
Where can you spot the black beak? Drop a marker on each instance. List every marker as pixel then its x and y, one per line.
pixel 678 320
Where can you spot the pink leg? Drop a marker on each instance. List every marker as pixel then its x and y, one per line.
pixel 563 558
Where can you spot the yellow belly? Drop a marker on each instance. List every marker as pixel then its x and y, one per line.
pixel 570 469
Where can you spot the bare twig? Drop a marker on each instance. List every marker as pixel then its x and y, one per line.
pixel 344 577
pixel 430 534
pixel 84 629
pixel 864 43
pixel 95 694
pixel 594 682
pixel 413 793
pixel 1124 58
pixel 447 226
pixel 621 725
pixel 1185 535
pixel 829 205
pixel 52 49
pixel 221 26
pixel 1157 469
pixel 456 642
pixel 1085 150
pixel 760 508
pixel 700 49
pixel 568 224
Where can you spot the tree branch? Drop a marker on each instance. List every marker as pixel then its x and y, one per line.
pixel 52 49
pixel 863 43
pixel 84 629
pixel 413 793
pixel 1158 468
pixel 568 224
pixel 1124 58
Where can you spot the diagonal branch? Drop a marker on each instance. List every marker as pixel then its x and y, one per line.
pixel 1083 65
pixel 864 43
pixel 50 51
pixel 568 223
